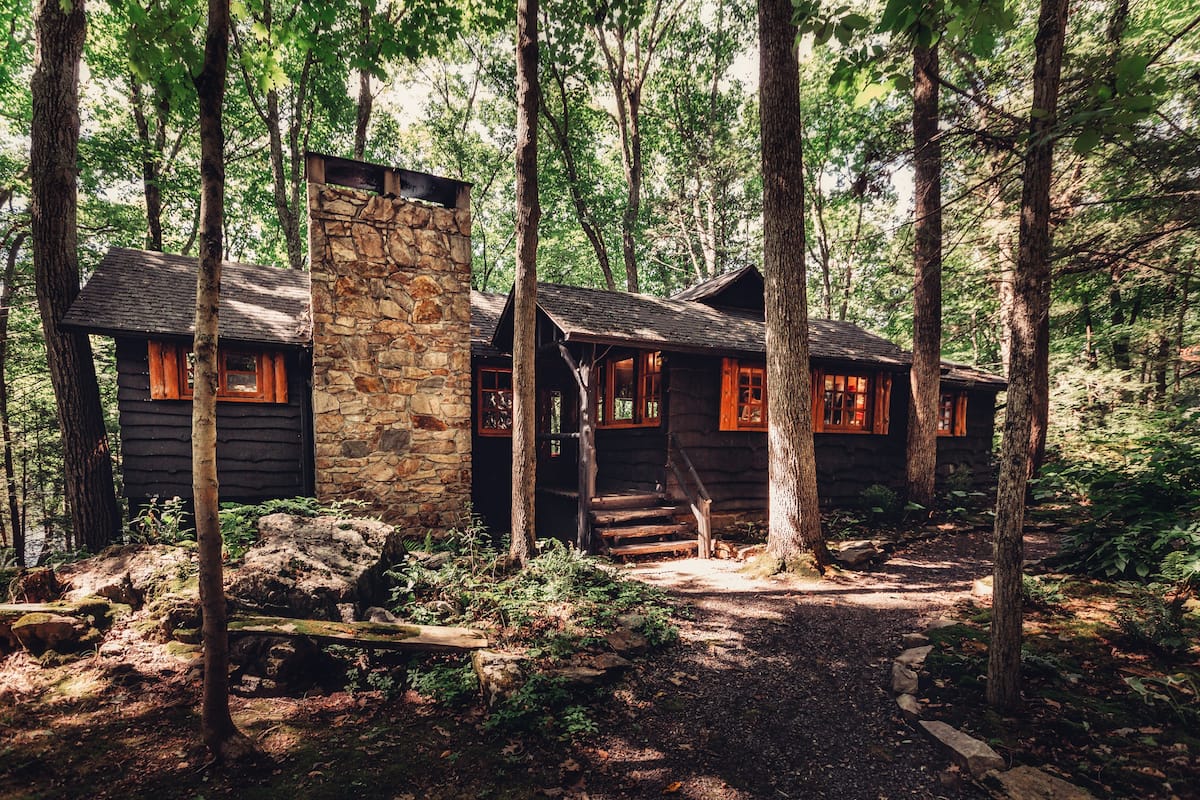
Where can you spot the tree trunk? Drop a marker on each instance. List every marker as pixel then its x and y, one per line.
pixel 925 377
pixel 795 522
pixel 524 464
pixel 366 100
pixel 1031 305
pixel 10 474
pixel 150 156
pixel 54 140
pixel 221 736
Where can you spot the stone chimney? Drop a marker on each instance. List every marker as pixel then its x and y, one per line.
pixel 391 301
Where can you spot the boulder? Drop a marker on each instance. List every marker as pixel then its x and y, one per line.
pixel 904 680
pixel 857 554
pixel 306 567
pixel 627 642
pixel 278 663
pixel 41 631
pixel 910 640
pixel 37 585
pixel 909 706
pixel 590 669
pixel 914 657
pixel 969 752
pixel 499 674
pixel 1030 783
pixel 130 574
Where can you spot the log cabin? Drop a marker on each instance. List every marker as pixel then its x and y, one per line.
pixel 380 375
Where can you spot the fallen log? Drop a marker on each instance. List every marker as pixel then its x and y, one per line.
pixel 378 635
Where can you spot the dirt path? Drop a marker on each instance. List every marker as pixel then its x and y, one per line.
pixel 780 692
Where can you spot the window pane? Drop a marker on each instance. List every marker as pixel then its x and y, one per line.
pixel 241 382
pixel 846 401
pixel 752 396
pixel 240 362
pixel 623 390
pixel 651 387
pixel 495 400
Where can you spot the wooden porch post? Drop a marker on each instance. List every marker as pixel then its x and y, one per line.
pixel 587 447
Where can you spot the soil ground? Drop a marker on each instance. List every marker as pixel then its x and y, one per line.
pixel 776 690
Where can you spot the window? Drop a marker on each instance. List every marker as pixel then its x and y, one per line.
pixel 550 419
pixel 629 391
pixel 851 402
pixel 843 402
pixel 952 414
pixel 495 397
pixel 249 376
pixel 743 396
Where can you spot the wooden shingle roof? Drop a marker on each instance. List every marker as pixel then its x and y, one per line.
pixel 638 320
pixel 486 309
pixel 149 293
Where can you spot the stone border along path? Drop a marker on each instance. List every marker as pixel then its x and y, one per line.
pixel 970 753
pixel 780 688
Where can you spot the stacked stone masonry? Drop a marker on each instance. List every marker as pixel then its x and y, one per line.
pixel 392 354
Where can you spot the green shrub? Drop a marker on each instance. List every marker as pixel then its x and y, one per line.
pixel 162 522
pixel 1149 619
pixel 1037 592
pixel 879 501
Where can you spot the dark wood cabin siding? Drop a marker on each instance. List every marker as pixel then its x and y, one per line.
pixel 973 452
pixel 630 459
pixel 491 461
pixel 263 449
pixel 733 464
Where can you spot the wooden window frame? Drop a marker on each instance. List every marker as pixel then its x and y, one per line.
pixel 879 394
pixel 957 399
pixel 732 370
pixel 870 403
pixel 481 391
pixel 169 369
pixel 647 364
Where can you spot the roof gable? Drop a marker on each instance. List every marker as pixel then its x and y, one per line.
pixel 154 294
pixel 742 288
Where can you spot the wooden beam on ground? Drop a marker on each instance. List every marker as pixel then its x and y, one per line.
pixel 377 635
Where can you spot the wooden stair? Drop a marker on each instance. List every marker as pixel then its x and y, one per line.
pixel 637 524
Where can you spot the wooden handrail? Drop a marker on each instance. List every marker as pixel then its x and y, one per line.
pixel 699 500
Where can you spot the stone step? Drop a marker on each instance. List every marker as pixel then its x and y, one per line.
pixel 643 532
pixel 632 500
pixel 649 548
pixel 622 515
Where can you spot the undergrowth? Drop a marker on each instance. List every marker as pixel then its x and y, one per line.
pixel 561 603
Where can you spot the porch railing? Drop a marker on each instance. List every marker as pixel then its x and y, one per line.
pixel 697 496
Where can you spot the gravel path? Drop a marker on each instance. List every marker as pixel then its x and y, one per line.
pixel 778 689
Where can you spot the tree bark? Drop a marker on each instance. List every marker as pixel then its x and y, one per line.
pixel 524 464
pixel 150 156
pixel 1031 305
pixel 220 735
pixel 925 376
pixel 795 522
pixel 366 99
pixel 10 473
pixel 54 144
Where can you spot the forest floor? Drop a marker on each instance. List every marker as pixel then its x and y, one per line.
pixel 777 689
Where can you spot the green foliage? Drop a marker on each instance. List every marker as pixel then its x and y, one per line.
pixel 1041 592
pixel 880 502
pixel 1142 501
pixel 560 599
pixel 1152 620
pixel 450 682
pixel 160 522
pixel 1179 692
pixel 239 523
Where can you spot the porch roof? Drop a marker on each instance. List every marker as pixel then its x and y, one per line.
pixel 638 320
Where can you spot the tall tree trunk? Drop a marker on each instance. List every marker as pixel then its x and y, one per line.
pixel 925 377
pixel 795 522
pixel 54 141
pixel 524 463
pixel 221 736
pixel 366 100
pixel 150 156
pixel 10 474
pixel 1031 304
